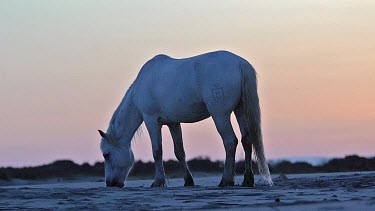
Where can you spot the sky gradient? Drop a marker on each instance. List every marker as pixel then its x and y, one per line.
pixel 65 66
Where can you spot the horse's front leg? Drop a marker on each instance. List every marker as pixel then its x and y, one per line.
pixel 154 130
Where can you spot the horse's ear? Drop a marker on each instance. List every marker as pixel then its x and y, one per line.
pixel 102 134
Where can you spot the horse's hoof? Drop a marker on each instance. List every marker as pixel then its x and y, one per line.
pixel 248 180
pixel 158 183
pixel 189 182
pixel 248 184
pixel 224 183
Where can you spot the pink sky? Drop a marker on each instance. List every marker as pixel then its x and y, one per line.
pixel 65 66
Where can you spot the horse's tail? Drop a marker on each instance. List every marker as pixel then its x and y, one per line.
pixel 253 120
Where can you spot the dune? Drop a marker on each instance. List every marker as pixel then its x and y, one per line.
pixel 344 191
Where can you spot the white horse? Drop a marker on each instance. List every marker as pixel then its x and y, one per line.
pixel 170 91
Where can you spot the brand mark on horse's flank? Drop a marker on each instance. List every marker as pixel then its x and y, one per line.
pixel 218 95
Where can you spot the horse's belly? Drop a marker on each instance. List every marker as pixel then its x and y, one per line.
pixel 188 113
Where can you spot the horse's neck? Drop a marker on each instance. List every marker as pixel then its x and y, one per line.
pixel 126 119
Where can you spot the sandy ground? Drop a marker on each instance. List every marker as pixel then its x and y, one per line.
pixel 337 191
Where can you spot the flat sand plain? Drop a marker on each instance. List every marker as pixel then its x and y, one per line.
pixel 331 191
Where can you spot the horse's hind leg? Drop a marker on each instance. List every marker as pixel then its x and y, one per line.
pixel 224 127
pixel 179 151
pixel 248 180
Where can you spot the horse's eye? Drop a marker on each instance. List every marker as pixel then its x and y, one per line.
pixel 106 156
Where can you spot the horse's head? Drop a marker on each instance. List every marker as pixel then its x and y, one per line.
pixel 118 160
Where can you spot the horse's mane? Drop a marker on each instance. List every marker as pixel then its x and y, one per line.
pixel 111 132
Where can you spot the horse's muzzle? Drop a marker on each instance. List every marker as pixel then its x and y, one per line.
pixel 114 183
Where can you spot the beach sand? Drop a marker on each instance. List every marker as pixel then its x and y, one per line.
pixel 341 191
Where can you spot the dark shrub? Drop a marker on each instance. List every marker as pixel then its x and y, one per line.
pixel 4 176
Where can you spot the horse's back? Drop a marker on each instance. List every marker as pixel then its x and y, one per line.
pixel 190 89
pixel 158 62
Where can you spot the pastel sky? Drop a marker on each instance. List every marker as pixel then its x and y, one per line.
pixel 65 65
